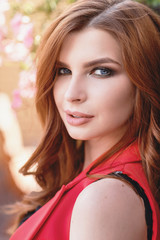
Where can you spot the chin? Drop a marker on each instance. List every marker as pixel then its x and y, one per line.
pixel 78 136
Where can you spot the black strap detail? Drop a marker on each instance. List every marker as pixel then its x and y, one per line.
pixel 28 215
pixel 141 193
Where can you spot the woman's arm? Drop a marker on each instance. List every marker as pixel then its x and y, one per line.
pixel 108 209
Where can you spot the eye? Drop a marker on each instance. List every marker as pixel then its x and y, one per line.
pixel 102 72
pixel 63 71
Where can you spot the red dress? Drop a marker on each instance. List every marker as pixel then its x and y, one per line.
pixel 52 221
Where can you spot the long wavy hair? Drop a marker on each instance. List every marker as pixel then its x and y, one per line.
pixel 59 158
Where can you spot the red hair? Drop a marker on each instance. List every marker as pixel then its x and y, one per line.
pixel 59 158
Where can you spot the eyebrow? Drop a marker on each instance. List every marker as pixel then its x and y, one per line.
pixel 93 62
pixel 101 60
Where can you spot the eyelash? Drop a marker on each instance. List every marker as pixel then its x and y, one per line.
pixel 109 72
pixel 62 74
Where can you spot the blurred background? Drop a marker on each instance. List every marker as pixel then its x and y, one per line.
pixel 22 23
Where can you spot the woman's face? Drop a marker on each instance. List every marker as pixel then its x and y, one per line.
pixel 93 93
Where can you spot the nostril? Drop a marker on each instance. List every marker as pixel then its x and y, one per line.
pixel 78 100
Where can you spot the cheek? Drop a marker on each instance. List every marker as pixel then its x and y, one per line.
pixel 120 103
pixel 126 104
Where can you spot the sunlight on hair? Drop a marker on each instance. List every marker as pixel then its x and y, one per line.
pixel 14 147
pixel 25 183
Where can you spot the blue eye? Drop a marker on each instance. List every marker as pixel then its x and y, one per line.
pixel 63 71
pixel 102 72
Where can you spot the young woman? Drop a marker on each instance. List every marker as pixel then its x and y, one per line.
pixel 98 97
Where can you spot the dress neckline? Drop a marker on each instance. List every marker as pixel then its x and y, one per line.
pixel 128 154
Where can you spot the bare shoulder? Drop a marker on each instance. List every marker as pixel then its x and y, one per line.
pixel 108 207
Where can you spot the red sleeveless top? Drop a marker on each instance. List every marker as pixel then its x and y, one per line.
pixel 52 221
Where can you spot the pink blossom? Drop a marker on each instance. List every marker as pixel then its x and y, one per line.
pixel 27 83
pixel 26 88
pixel 17 101
pixel 26 34
pixel 3 30
pixel 1 61
pixel 3 33
pixel 16 23
pixel 22 29
pixel 16 51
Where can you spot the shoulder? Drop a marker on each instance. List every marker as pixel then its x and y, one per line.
pixel 108 207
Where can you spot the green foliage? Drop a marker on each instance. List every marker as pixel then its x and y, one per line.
pixel 71 1
pixel 151 3
pixel 29 8
pixel 48 6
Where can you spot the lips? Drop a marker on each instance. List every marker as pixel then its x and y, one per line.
pixel 78 114
pixel 77 118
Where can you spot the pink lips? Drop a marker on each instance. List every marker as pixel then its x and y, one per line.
pixel 77 118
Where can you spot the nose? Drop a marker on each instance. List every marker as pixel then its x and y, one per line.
pixel 76 91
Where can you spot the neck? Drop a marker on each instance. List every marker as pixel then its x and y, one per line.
pixel 95 148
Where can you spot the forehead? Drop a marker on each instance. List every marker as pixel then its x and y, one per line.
pixel 87 44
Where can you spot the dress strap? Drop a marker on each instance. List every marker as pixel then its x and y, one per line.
pixel 139 190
